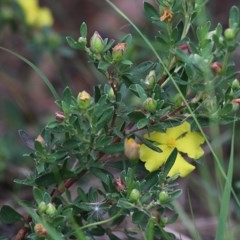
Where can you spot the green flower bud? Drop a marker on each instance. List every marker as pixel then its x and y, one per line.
pixel 134 195
pixel 84 100
pixel 118 51
pixel 150 105
pixel 51 210
pixel 96 43
pixel 111 95
pixel 150 80
pixel 163 197
pixel 235 106
pixel 235 85
pixel 42 207
pixel 229 34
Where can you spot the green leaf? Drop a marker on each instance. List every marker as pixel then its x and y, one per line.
pixel 150 11
pixel 170 161
pixel 113 148
pixel 136 115
pixel 8 215
pixel 83 30
pixel 142 123
pixel 226 196
pixel 149 144
pixel 140 217
pixel 72 43
pixel 46 180
pixel 38 194
pixel 138 90
pixel 105 117
pixel 234 17
pixel 124 204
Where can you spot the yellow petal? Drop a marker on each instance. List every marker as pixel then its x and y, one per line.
pixel 154 160
pixel 179 130
pixel 190 144
pixel 157 137
pixel 181 167
pixel 44 18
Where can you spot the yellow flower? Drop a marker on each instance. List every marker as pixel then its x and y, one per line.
pixel 34 15
pixel 44 17
pixel 179 137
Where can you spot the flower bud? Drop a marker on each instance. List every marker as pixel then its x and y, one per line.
pixel 111 94
pixel 229 34
pixel 150 80
pixel 216 67
pixel 40 139
pixel 120 185
pixel 134 195
pixel 235 106
pixel 235 85
pixel 59 116
pixel 40 230
pixel 131 149
pixel 96 43
pixel 118 51
pixel 42 207
pixel 51 210
pixel 150 105
pixel 84 100
pixel 163 197
pixel 185 48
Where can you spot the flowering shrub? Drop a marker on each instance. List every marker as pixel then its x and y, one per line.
pixel 107 166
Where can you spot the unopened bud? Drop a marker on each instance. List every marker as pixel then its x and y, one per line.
pixel 84 100
pixel 120 185
pixel 235 106
pixel 118 51
pixel 216 67
pixel 111 95
pixel 42 207
pixel 51 210
pixel 96 43
pixel 40 139
pixel 150 80
pixel 235 85
pixel 59 116
pixel 229 34
pixel 150 105
pixel 134 195
pixel 40 230
pixel 131 149
pixel 163 197
pixel 185 48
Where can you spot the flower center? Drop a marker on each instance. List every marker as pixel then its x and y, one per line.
pixel 171 143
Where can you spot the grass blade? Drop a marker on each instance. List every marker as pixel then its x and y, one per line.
pixel 36 69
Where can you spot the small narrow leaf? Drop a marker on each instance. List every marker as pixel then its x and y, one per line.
pixel 83 30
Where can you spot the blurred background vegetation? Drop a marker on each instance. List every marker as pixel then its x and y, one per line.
pixel 25 101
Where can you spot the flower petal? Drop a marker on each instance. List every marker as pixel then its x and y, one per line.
pixel 154 160
pixel 181 167
pixel 157 137
pixel 175 132
pixel 190 144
